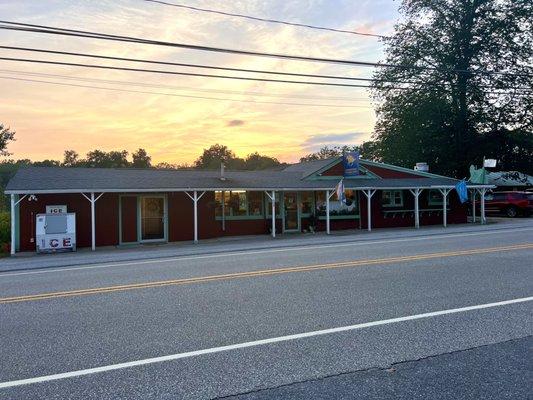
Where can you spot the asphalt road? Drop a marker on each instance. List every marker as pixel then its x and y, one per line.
pixel 384 295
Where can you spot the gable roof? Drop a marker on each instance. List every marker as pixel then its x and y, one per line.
pixel 76 180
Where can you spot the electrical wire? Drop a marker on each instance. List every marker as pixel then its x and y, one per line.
pixel 184 96
pixel 138 60
pixel 275 21
pixel 166 72
pixel 17 26
pixel 181 88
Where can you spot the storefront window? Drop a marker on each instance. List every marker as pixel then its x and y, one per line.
pixel 269 205
pixel 434 198
pixel 336 207
pixel 239 204
pixel 255 203
pixel 306 203
pixel 392 198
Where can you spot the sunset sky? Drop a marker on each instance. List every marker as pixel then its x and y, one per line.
pixel 50 118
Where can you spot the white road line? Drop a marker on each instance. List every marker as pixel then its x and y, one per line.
pixel 178 356
pixel 262 251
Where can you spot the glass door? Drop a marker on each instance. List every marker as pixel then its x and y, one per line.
pixel 153 219
pixel 292 214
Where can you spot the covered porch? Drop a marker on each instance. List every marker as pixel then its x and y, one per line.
pixel 164 216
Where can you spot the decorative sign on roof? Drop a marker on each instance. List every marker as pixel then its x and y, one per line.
pixel 350 161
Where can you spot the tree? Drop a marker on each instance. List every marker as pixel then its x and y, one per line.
pixel 256 161
pixel 6 136
pixel 465 79
pixel 212 157
pixel 70 158
pixel 141 159
pixel 47 163
pixel 112 159
pixel 367 150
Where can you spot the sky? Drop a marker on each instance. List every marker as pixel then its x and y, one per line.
pixel 170 121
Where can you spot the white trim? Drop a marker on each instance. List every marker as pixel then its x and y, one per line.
pixel 255 343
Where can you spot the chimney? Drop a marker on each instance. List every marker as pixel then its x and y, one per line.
pixel 421 166
pixel 222 170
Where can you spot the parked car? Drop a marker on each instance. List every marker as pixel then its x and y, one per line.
pixel 510 204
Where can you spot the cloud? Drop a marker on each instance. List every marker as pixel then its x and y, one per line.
pixel 236 122
pixel 315 142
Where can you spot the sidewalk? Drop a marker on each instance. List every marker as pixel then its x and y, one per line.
pixel 27 260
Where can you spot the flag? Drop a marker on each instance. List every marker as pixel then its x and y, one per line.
pixel 462 191
pixel 339 189
pixel 478 175
pixel 350 161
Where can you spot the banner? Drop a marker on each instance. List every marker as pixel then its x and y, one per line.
pixel 340 192
pixel 462 191
pixel 350 161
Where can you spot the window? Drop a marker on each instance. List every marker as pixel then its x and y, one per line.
pixel 434 197
pixel 392 198
pixel 269 205
pixel 255 203
pixel 337 208
pixel 239 204
pixel 307 200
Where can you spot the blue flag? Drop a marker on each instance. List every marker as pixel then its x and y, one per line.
pixel 462 191
pixel 351 163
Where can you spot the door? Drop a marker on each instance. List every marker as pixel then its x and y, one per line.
pixel 291 214
pixel 152 218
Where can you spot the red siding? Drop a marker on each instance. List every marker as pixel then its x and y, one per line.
pixel 129 218
pixel 335 170
pixel 106 218
pixel 181 223
pixel 390 173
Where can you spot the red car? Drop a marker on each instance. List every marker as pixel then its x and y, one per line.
pixel 510 204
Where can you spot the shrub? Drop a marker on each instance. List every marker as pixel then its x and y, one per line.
pixel 5 230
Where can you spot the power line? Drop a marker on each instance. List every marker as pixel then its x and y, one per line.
pixel 180 95
pixel 137 60
pixel 203 66
pixel 158 71
pixel 181 88
pixel 275 21
pixel 17 26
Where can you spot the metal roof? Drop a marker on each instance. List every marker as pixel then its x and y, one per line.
pixel 75 180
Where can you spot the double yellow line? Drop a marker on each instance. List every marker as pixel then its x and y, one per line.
pixel 264 272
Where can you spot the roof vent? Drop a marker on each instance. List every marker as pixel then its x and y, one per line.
pixel 422 167
pixel 222 170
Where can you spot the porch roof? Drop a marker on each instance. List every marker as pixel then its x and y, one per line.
pixel 75 180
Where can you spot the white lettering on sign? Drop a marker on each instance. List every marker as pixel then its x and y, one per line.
pixel 56 209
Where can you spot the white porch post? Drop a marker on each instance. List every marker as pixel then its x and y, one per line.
pixel 272 197
pixel 444 193
pixel 223 211
pixel 93 233
pixel 273 214
pixel 474 205
pixel 369 193
pixel 195 198
pixel 416 194
pixel 482 195
pixel 13 225
pixel 327 212
pixel 93 200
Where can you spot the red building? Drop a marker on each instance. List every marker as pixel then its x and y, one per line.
pixel 123 206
